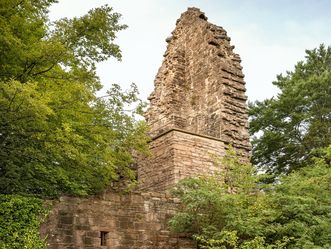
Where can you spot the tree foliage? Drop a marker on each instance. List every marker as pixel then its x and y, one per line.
pixel 32 48
pixel 302 205
pixel 234 210
pixel 56 135
pixel 20 218
pixel 289 129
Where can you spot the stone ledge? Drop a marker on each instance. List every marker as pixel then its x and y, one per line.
pixel 188 132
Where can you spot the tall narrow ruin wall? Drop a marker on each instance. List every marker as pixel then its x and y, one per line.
pixel 198 106
pixel 200 86
pixel 135 221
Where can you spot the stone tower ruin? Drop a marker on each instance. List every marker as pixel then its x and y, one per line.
pixel 197 109
pixel 198 106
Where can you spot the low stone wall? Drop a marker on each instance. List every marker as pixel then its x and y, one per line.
pixel 116 221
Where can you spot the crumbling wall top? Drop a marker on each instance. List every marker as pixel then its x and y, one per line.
pixel 200 86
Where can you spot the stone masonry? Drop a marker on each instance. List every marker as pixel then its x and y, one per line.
pixel 197 109
pixel 198 106
pixel 135 221
pixel 200 86
pixel 178 154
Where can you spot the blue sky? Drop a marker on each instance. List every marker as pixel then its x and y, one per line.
pixel 270 36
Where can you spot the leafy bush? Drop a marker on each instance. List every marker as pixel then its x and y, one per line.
pixel 20 218
pixel 234 210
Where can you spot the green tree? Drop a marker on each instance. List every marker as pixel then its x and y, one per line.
pixel 32 48
pixel 301 205
pixel 56 135
pixel 289 129
pixel 233 209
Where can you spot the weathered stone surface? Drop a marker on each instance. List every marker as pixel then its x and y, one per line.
pixel 200 86
pixel 136 220
pixel 178 154
pixel 198 107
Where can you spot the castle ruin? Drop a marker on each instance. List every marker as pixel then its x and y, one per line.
pixel 197 109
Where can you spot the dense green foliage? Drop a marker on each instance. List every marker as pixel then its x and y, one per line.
pixel 234 210
pixel 291 128
pixel 301 205
pixel 56 135
pixel 19 222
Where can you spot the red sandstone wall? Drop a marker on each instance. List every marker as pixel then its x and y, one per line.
pixel 200 86
pixel 133 221
pixel 176 155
